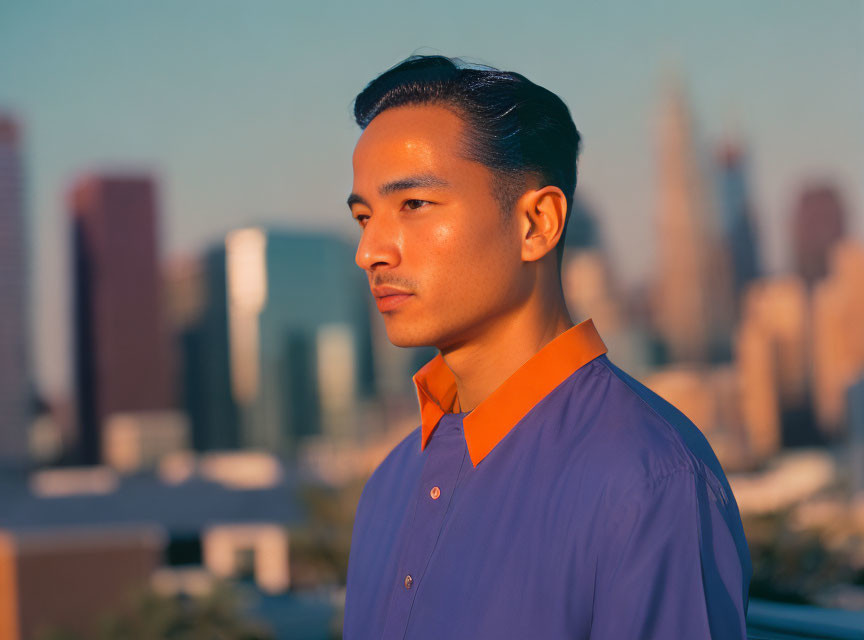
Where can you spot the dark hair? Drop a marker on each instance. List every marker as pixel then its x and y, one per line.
pixel 515 127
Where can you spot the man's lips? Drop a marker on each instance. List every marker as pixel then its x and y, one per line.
pixel 388 298
pixel 382 291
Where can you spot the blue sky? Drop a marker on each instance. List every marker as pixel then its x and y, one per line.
pixel 242 109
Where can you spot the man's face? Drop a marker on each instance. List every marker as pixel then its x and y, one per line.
pixel 431 228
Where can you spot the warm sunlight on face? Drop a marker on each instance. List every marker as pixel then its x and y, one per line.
pixel 431 228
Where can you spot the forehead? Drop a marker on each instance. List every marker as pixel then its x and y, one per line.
pixel 424 136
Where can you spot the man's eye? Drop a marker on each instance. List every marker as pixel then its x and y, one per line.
pixel 360 219
pixel 415 204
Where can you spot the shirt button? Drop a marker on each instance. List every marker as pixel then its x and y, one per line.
pixel 408 581
pixel 435 493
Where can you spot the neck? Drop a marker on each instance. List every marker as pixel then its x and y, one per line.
pixel 508 341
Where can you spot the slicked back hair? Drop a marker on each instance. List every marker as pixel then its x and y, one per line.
pixel 514 127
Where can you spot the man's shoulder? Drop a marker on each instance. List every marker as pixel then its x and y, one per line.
pixel 635 437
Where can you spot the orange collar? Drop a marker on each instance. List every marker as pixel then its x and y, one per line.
pixel 493 418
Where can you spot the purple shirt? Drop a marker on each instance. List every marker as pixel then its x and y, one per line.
pixel 602 513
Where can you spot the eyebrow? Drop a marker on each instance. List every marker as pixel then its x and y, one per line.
pixel 411 182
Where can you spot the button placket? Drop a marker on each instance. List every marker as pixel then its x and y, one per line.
pixel 446 455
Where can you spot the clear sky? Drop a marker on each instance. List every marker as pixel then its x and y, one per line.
pixel 242 109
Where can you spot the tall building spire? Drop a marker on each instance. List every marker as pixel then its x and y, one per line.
pixel 739 224
pixel 693 313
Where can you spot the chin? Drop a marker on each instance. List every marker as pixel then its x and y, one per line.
pixel 406 340
pixel 402 334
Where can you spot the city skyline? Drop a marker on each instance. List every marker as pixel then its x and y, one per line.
pixel 289 162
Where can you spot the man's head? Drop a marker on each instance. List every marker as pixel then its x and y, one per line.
pixel 463 183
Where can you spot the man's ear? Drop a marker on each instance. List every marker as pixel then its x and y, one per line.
pixel 542 213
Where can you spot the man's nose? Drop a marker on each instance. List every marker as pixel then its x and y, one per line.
pixel 379 244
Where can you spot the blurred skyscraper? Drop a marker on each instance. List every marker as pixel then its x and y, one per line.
pixel 197 292
pixel 838 333
pixel 14 325
pixel 582 227
pixel 773 359
pixel 739 224
pixel 300 342
pixel 693 305
pixel 592 290
pixel 586 273
pixel 818 222
pixel 121 348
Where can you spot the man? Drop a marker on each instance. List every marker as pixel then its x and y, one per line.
pixel 546 493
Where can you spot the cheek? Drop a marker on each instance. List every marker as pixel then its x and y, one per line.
pixel 443 236
pixel 467 263
pixel 443 251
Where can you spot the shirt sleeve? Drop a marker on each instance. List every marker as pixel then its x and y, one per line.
pixel 668 566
